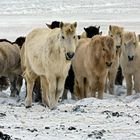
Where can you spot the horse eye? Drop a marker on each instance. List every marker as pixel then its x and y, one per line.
pixel 103 49
pixel 63 37
pixel 74 37
pixel 111 35
pixel 134 43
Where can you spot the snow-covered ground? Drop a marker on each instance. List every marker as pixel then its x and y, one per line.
pixel 115 117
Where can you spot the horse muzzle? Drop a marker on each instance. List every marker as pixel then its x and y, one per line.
pixel 118 47
pixel 130 58
pixel 69 55
pixel 108 64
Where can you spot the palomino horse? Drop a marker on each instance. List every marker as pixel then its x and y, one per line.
pixel 115 32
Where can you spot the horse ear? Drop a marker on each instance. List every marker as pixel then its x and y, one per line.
pixel 85 28
pixel 100 33
pixel 79 36
pixel 75 24
pixel 98 27
pixel 61 25
pixel 122 28
pixel 110 27
pixel 48 25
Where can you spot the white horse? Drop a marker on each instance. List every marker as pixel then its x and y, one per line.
pixel 130 61
pixel 47 54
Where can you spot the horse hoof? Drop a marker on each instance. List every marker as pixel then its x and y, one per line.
pixel 52 107
pixel 28 103
pixel 44 105
pixel 28 106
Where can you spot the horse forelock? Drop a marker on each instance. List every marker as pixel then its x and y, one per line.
pixel 109 42
pixel 129 36
pixel 116 30
pixel 69 29
pixel 95 41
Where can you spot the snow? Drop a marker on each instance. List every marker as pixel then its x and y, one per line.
pixel 116 117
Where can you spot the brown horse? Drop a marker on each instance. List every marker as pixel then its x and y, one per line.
pixel 91 63
pixel 15 79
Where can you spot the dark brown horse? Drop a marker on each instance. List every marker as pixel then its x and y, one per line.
pixel 15 81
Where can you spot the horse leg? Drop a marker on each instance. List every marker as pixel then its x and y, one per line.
pixel 100 90
pixel 52 91
pixel 128 79
pixel 4 83
pixel 13 80
pixel 119 77
pixel 93 91
pixel 44 88
pixel 106 83
pixel 30 79
pixel 59 88
pixel 19 82
pixel 37 90
pixel 76 90
pixel 81 87
pixel 111 82
pixel 101 86
pixel 86 88
pixel 64 96
pixel 92 86
pixel 137 82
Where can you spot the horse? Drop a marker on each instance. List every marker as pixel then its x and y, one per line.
pixel 47 54
pixel 115 32
pixel 130 61
pixel 91 63
pixel 139 37
pixel 10 68
pixel 69 83
pixel 54 24
pixel 91 31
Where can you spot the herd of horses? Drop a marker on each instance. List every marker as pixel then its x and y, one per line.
pixel 56 60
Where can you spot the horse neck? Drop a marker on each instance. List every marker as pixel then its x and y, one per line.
pixel 53 39
pixel 56 48
pixel 97 57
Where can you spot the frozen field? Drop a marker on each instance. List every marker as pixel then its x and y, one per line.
pixel 113 118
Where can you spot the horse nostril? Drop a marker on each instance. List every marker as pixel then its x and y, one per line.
pixel 69 55
pixel 118 47
pixel 108 64
pixel 130 58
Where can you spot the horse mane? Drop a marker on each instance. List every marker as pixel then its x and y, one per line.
pixel 5 40
pixel 19 41
pixel 116 29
